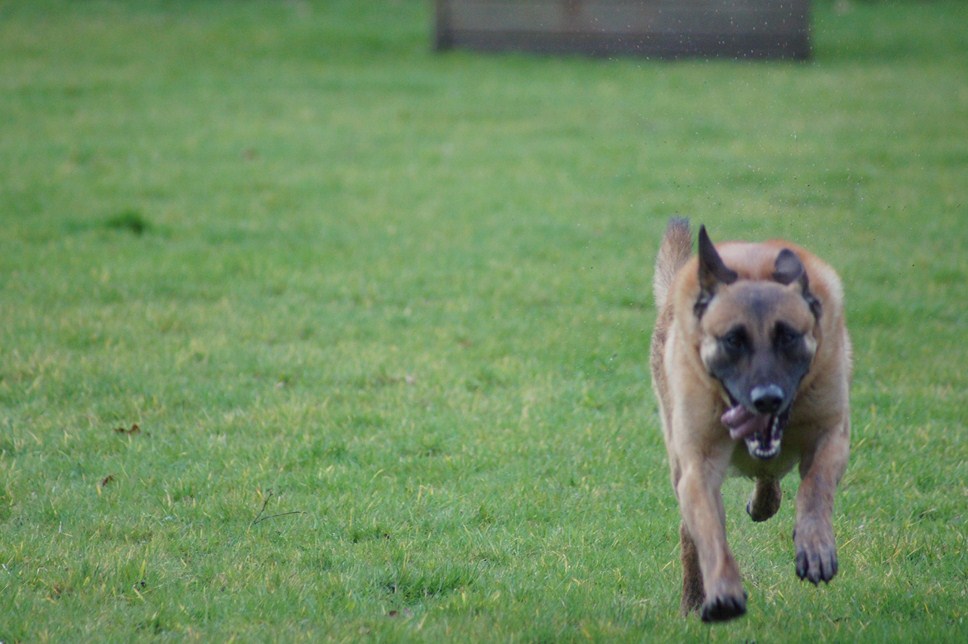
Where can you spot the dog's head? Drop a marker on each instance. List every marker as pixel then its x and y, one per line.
pixel 758 340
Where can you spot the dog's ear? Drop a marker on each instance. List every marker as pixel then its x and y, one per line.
pixel 712 272
pixel 788 269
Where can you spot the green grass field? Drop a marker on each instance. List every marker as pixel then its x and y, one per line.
pixel 381 318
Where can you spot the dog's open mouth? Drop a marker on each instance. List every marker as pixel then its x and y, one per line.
pixel 762 432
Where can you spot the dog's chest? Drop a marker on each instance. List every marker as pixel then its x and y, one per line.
pixel 742 464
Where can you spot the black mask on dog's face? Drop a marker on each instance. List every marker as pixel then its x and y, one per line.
pixel 757 341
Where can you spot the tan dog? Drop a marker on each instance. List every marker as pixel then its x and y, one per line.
pixel 751 364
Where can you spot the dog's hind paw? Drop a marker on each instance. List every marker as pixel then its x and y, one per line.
pixel 721 609
pixel 765 500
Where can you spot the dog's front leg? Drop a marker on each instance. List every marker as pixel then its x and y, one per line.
pixel 813 537
pixel 704 528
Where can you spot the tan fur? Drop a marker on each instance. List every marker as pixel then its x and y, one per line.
pixel 673 253
pixel 691 401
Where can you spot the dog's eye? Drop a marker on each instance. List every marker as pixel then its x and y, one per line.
pixel 785 337
pixel 734 340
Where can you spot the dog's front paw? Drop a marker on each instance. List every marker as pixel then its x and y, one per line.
pixel 722 607
pixel 816 554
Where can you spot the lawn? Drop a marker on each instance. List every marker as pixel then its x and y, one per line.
pixel 310 333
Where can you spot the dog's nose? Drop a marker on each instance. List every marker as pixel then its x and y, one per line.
pixel 767 398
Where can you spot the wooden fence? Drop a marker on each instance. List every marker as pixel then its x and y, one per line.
pixel 650 28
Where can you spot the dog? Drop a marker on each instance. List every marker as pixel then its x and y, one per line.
pixel 751 365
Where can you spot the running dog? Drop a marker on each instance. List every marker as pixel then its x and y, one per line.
pixel 751 364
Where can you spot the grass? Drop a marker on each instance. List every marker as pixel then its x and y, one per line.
pixel 381 318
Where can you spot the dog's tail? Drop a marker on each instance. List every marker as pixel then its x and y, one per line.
pixel 674 251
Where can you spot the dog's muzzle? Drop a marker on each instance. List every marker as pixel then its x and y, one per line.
pixel 763 432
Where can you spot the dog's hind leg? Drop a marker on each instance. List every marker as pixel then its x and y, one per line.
pixel 765 500
pixel 692 594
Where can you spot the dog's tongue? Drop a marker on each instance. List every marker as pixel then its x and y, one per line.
pixel 742 422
